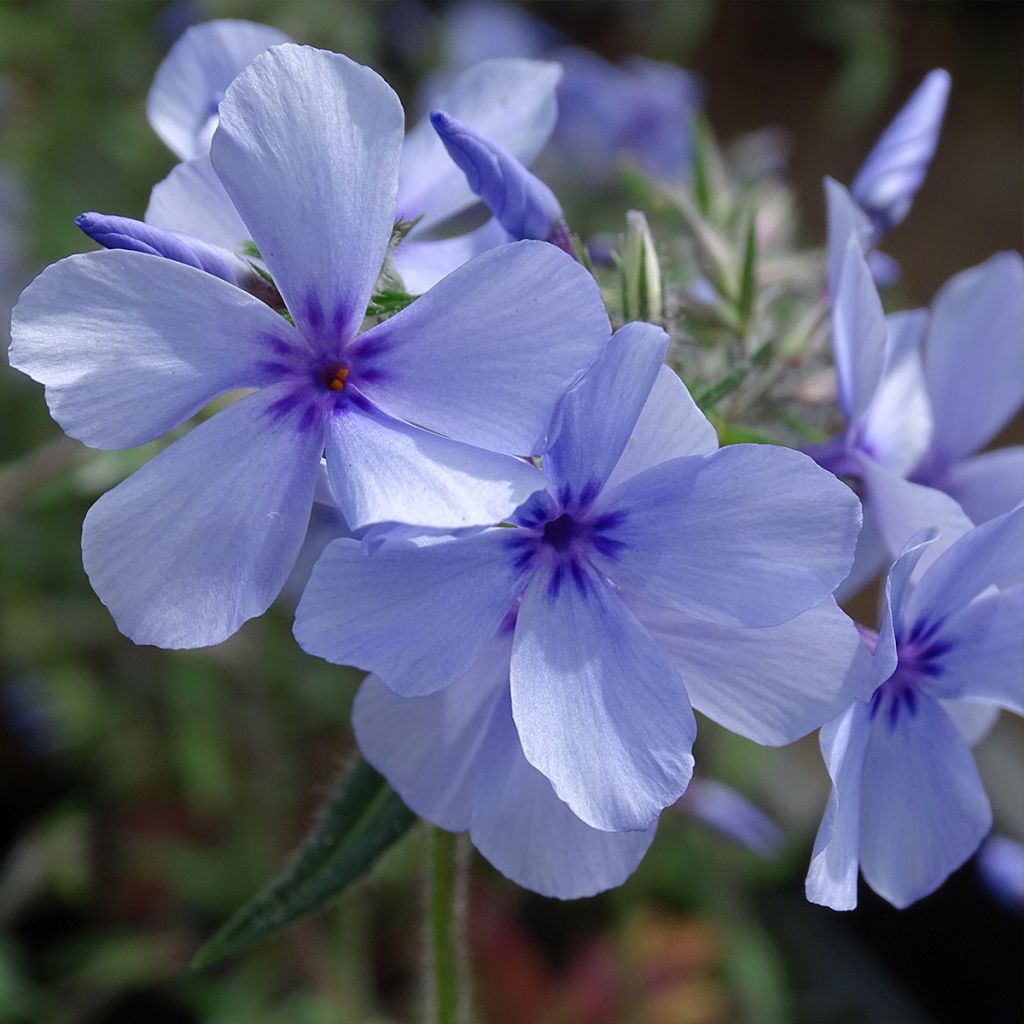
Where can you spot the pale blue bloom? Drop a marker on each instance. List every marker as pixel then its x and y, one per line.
pixel 130 345
pixel 907 805
pixel 510 102
pixel 614 597
pixel 922 392
pixel 193 77
pixel 521 203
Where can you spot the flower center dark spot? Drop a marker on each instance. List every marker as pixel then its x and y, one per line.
pixel 561 532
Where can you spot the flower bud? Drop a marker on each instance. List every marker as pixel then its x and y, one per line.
pixel 523 205
pixel 641 272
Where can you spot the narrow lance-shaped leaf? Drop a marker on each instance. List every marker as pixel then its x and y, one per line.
pixel 748 275
pixel 362 820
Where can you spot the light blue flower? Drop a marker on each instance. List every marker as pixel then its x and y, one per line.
pixel 907 805
pixel 130 345
pixel 193 77
pixel 510 102
pixel 612 599
pixel 922 392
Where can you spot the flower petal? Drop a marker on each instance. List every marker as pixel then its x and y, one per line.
pixel 987 485
pixel 902 509
pixel 859 335
pixel 897 426
pixel 600 710
pixel 923 808
pixel 869 560
pixel 989 555
pixel 670 426
pixel 485 356
pixel 832 876
pixel 432 749
pixel 383 470
pixel 190 82
pixel 974 359
pixel 422 264
pixel 192 200
pixel 771 685
pixel 598 416
pixel 308 150
pixel 510 101
pixel 846 221
pixel 531 837
pixel 984 652
pixel 417 613
pixel 203 537
pixel 130 345
pixel 889 178
pixel 750 534
pixel 973 718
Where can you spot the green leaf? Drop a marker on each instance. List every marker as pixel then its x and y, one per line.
pixel 748 275
pixel 388 302
pixel 249 248
pixel 711 396
pixel 362 820
pixel 701 164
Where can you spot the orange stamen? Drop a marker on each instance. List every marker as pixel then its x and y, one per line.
pixel 337 382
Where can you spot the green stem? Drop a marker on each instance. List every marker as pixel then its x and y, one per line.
pixel 445 930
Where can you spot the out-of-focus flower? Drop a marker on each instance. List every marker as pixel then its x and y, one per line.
pixel 885 186
pixel 130 345
pixel 1001 864
pixel 193 77
pixel 907 805
pixel 922 392
pixel 641 110
pixel 643 564
pixel 726 811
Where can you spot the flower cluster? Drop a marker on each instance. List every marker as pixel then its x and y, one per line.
pixel 543 555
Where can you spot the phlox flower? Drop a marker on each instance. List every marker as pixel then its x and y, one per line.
pixel 922 392
pixel 421 417
pixel 907 805
pixel 510 102
pixel 532 682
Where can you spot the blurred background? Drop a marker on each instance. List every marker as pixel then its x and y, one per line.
pixel 146 794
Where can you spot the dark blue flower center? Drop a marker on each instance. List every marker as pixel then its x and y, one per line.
pixel 561 532
pixel 919 656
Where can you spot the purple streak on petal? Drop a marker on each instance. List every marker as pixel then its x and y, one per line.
pixel 125 233
pixel 889 178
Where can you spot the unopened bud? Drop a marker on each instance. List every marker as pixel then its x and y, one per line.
pixel 641 271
